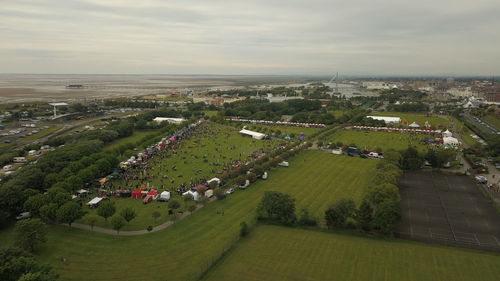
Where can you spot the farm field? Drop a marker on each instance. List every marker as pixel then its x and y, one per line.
pixel 374 140
pixel 435 121
pixel 184 250
pixel 279 253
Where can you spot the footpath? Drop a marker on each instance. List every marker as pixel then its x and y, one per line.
pixel 133 232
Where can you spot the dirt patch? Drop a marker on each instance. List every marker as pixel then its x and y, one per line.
pixel 448 210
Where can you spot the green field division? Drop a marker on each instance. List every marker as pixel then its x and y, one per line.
pixel 278 253
pixel 374 140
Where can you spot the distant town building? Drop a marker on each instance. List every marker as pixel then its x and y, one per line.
pixel 461 92
pixel 377 85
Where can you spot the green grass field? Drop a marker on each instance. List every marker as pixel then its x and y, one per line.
pixel 464 131
pixel 374 140
pixel 135 137
pixel 493 120
pixel 278 253
pixel 183 251
pixel 434 120
pixel 285 130
pixel 144 212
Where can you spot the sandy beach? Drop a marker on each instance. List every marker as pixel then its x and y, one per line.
pixel 42 88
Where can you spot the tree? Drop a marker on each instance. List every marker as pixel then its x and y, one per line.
pixel 174 205
pixel 278 207
pixel 187 198
pixel 376 194
pixel 30 233
pixel 19 265
pixel 386 215
pixel 412 160
pixel 49 212
pixel 338 213
pixel 364 215
pixel 106 210
pixel 192 208
pixel 35 202
pixel 128 214
pixel 244 230
pixel 69 212
pixel 156 215
pixel 91 220
pixel 118 223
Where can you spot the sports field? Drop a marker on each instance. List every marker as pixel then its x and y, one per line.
pixel 434 120
pixel 278 253
pixel 183 251
pixel 374 140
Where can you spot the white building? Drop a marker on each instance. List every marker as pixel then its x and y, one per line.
pixel 386 119
pixel 169 120
pixel 461 92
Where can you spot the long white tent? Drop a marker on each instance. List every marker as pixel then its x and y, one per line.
pixel 255 135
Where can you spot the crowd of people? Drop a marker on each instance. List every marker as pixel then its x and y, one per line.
pixel 194 154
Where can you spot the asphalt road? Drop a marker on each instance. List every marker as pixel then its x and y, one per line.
pixel 485 127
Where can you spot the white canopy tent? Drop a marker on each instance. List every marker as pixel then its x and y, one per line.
pixel 195 194
pixel 447 133
pixel 94 201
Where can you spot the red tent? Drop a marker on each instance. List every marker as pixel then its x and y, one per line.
pixel 200 186
pixel 136 194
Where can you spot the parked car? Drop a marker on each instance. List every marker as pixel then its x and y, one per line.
pixel 481 179
pixel 284 164
pixel 23 215
pixel 147 199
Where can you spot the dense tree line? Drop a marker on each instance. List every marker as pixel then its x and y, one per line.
pixel 302 110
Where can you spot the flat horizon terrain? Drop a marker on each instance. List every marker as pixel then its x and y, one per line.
pixel 278 253
pixel 15 88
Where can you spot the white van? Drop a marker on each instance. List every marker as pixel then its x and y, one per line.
pixel 19 160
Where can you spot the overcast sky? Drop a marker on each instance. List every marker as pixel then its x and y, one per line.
pixel 422 37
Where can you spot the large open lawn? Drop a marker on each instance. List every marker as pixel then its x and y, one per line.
pixel 278 253
pixel 374 140
pixel 183 251
pixel 135 137
pixel 493 120
pixel 285 130
pixel 434 120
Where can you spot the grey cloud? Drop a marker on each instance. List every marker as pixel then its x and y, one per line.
pixel 251 37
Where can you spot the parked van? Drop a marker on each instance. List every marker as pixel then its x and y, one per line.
pixel 19 160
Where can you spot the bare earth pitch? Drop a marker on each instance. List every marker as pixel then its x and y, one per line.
pixel 449 210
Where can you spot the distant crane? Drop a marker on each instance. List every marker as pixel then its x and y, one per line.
pixel 336 77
